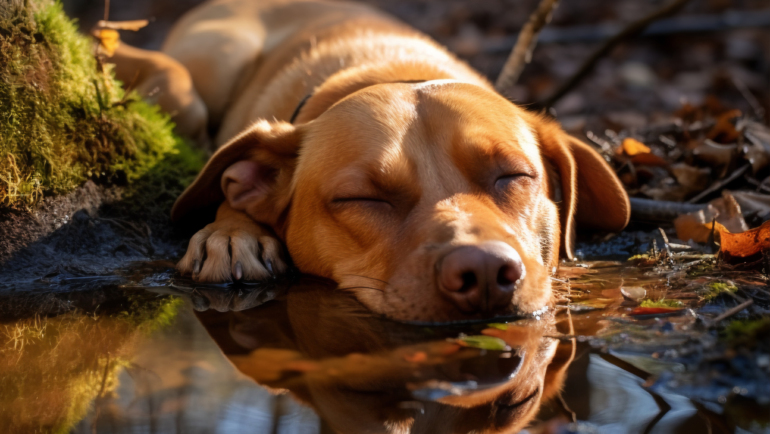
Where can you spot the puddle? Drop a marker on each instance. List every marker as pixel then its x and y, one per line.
pixel 142 351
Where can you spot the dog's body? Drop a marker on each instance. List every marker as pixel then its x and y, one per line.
pixel 402 175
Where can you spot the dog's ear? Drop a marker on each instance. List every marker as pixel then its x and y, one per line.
pixel 252 173
pixel 589 194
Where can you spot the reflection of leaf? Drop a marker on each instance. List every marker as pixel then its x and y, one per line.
pixel 653 310
pixel 746 244
pixel 109 40
pixel 498 325
pixel 484 342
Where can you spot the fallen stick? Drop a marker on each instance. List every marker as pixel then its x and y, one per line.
pixel 732 311
pixel 660 211
pixel 633 29
pixel 521 54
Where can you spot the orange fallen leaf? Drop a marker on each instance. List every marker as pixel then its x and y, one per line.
pixel 689 227
pixel 746 244
pixel 632 147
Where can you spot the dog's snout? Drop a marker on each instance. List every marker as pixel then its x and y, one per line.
pixel 482 277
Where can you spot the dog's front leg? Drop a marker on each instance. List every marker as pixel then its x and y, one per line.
pixel 234 247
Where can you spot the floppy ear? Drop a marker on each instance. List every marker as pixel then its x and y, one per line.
pixel 591 195
pixel 252 173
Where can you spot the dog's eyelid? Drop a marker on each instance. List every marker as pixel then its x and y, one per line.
pixel 359 199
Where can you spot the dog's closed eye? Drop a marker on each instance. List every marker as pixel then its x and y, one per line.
pixel 507 181
pixel 362 201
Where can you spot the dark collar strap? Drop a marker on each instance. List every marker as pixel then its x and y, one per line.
pixel 299 107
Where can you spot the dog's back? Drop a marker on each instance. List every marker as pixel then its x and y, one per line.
pixel 257 60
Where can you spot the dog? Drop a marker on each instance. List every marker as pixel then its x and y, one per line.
pixel 375 158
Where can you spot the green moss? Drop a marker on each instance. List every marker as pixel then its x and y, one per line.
pixel 673 304
pixel 63 117
pixel 715 289
pixel 747 333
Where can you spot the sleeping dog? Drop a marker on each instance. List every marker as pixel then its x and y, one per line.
pixel 374 157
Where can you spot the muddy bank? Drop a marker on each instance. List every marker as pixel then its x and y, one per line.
pixel 19 229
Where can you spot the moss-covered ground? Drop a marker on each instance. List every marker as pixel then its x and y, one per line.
pixel 64 118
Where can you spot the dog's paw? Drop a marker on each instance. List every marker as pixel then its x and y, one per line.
pixel 233 250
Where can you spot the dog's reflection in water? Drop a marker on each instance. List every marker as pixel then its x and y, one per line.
pixel 365 374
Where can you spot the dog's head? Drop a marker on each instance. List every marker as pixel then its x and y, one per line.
pixel 431 201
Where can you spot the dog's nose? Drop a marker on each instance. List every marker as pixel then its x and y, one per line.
pixel 482 277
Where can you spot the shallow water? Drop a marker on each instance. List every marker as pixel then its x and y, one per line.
pixel 144 351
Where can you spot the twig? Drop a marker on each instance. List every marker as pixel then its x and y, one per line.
pixel 756 107
pixel 598 32
pixel 525 45
pixel 733 311
pixel 720 184
pixel 633 29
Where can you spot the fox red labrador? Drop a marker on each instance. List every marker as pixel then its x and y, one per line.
pixel 375 156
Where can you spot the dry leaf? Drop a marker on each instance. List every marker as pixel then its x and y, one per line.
pixel 752 202
pixel 649 159
pixel 716 155
pixel 631 147
pixel 729 213
pixel 692 227
pixel 109 40
pixel 746 244
pixel 724 131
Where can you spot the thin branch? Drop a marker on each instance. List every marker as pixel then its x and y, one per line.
pixel 733 311
pixel 521 54
pixel 633 29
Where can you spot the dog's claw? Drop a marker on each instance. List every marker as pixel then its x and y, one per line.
pixel 233 249
pixel 238 272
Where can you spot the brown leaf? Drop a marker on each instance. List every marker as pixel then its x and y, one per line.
pixel 729 213
pixel 648 159
pixel 752 202
pixel 724 131
pixel 714 154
